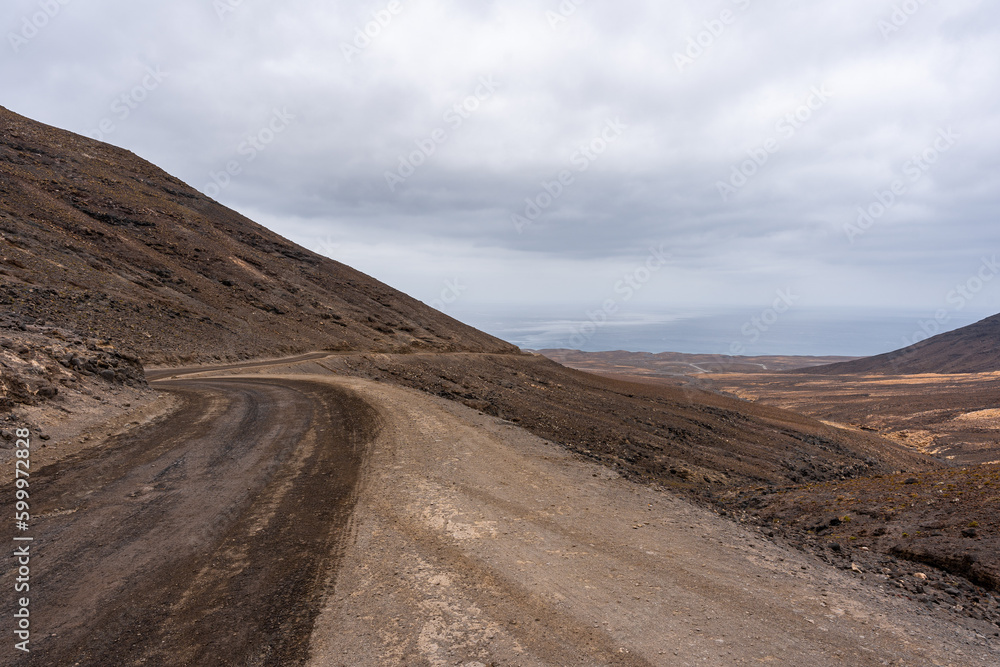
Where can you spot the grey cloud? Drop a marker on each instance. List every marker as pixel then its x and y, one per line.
pixel 687 130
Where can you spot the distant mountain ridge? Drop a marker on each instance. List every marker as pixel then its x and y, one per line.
pixel 100 241
pixel 971 349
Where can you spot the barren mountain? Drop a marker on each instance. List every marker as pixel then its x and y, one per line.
pixel 971 349
pixel 110 246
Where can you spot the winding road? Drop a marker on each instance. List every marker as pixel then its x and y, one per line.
pixel 298 517
pixel 203 539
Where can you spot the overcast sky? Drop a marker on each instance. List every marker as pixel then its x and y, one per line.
pixel 713 153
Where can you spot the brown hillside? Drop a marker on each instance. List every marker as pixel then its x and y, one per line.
pixel 108 245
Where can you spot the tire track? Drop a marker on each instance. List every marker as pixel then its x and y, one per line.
pixel 204 539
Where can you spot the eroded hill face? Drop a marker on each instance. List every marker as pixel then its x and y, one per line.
pixel 971 349
pixel 99 241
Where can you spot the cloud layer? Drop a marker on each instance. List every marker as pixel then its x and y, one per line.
pixel 537 151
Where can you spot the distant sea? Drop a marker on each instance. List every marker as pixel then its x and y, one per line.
pixel 798 332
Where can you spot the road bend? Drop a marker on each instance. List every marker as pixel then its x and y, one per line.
pixel 205 538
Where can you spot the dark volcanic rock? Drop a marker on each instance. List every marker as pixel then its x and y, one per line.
pixel 35 361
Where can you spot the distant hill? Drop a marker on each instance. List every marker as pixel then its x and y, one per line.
pixel 971 349
pixel 97 240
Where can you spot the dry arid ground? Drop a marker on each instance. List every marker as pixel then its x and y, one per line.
pixel 498 548
pixel 945 518
pixel 951 416
pixel 474 542
pixel 886 525
pixel 680 437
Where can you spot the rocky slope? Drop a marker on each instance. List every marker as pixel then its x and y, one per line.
pixel 37 362
pixel 107 245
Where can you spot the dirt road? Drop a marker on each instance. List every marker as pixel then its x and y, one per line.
pixel 476 544
pixel 203 539
pixel 299 517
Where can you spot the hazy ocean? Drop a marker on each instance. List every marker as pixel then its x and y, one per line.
pixel 797 332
